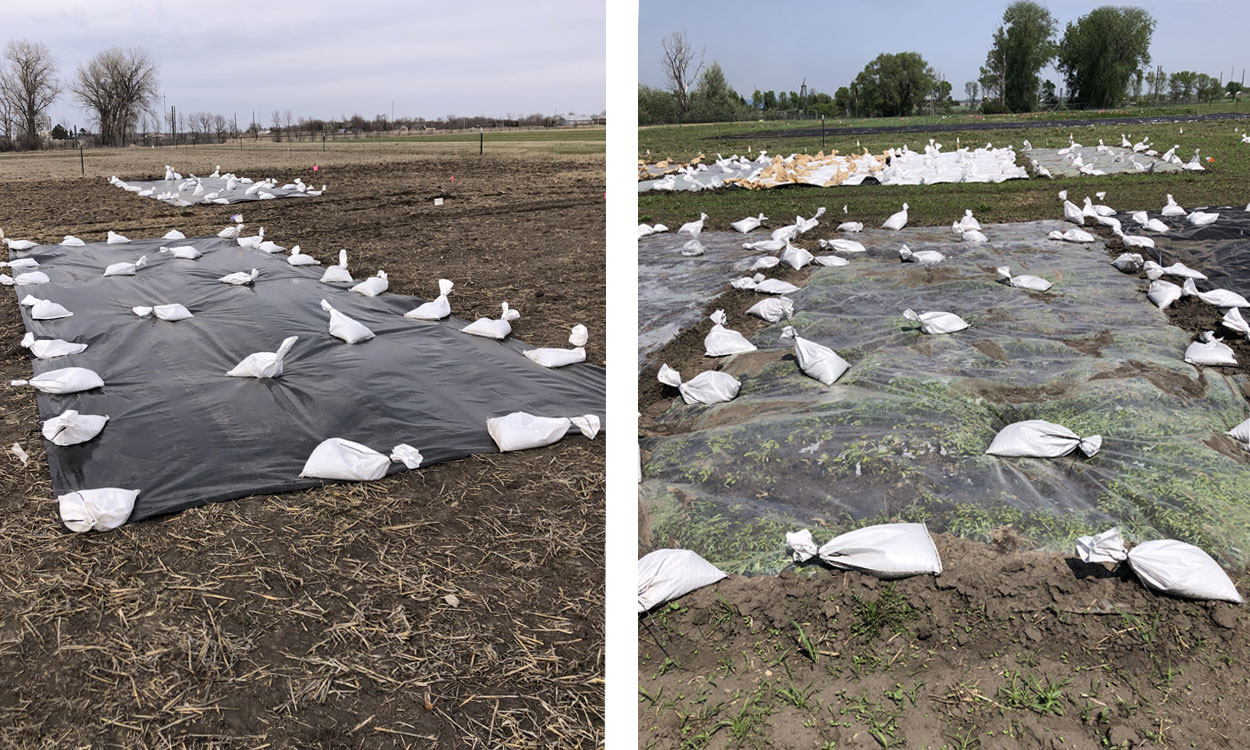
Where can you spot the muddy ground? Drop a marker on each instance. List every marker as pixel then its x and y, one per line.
pixel 1008 648
pixel 457 605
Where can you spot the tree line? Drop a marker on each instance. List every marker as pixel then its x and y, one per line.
pixel 1103 58
pixel 119 90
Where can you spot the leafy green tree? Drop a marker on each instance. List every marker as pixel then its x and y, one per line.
pixel 59 133
pixel 656 106
pixel 1182 84
pixel 1206 87
pixel 1049 98
pixel 1233 88
pixel 1101 51
pixel 1022 46
pixel 713 100
pixel 842 100
pixel 893 84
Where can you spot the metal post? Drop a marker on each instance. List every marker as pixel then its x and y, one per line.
pixel 82 163
pixel 323 140
pixel 481 141
pixel 822 132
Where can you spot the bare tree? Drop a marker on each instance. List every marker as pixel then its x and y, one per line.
pixel 277 125
pixel 678 56
pixel 116 87
pixel 221 127
pixel 28 85
pixel 288 122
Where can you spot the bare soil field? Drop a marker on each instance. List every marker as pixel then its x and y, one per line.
pixel 457 605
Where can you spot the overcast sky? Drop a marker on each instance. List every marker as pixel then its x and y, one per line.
pixel 322 58
pixel 774 46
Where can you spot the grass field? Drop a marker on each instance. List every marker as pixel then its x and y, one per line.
pixel 1223 183
pixel 523 136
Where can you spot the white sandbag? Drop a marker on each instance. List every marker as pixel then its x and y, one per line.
pixel 1233 321
pixel 173 234
pixel 1172 208
pixel 1209 350
pixel 831 260
pixel 693 248
pixel 72 241
pixel 1163 293
pixel 816 360
pixel 72 428
pixel 1023 281
pixel 344 327
pixel 936 322
pixel 772 309
pixel 767 246
pixel 171 313
pixel 96 510
pixel 437 308
pixel 240 278
pixel 843 246
pixel 117 239
pixel 550 357
pixel 795 257
pixel 1181 569
pixel 774 286
pixel 29 278
pixel 708 387
pixel 888 550
pixel 372 286
pixel 721 342
pixel 64 380
pixel 1241 433
pixel 337 274
pixel 693 228
pixel 126 268
pixel 644 230
pixel 1072 235
pixel 767 261
pixel 20 264
pixel 1177 269
pixel 264 364
pixel 521 430
pixel 300 258
pixel 494 328
pixel 1037 438
pixel 337 458
pixel 1105 547
pixel 182 252
pixel 42 309
pixel 20 245
pixel 851 226
pixel 749 223
pixel 271 247
pixel 1128 262
pixel 922 257
pixel 668 574
pixel 50 348
pixel 1201 218
pixel 1216 297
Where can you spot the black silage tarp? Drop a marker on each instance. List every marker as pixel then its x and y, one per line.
pixel 185 434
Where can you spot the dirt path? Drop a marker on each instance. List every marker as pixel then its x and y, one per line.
pixel 460 604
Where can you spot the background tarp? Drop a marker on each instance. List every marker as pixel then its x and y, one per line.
pixel 185 434
pixel 906 168
pixel 185 196
pixel 1116 160
pixel 903 433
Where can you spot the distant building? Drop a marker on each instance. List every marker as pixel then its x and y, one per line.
pixel 575 119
